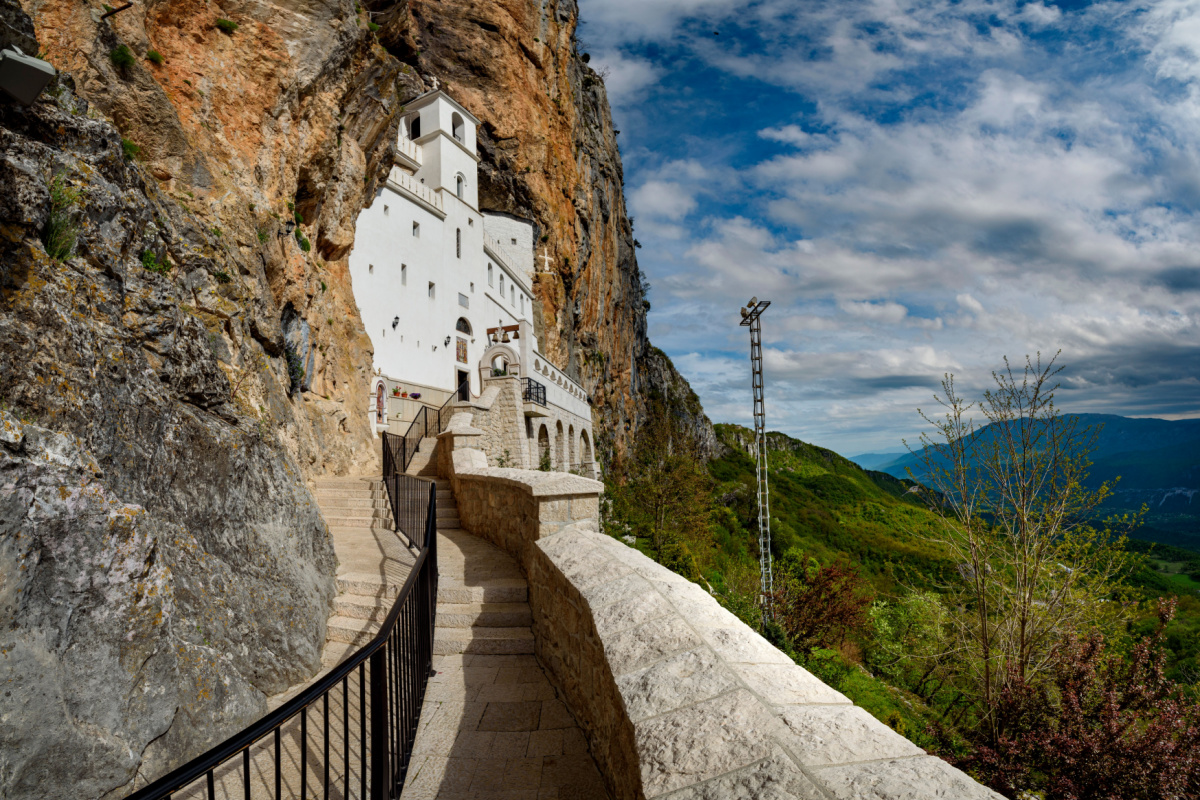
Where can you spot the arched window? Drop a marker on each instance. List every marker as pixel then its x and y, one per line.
pixel 462 326
pixel 512 295
pixel 414 128
pixel 490 275
pixel 458 242
pixel 458 186
pixel 501 287
pixel 457 127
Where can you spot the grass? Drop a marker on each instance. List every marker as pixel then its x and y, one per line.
pixel 61 233
pixel 227 26
pixel 303 241
pixel 131 149
pixel 122 57
pixel 221 276
pixel 155 58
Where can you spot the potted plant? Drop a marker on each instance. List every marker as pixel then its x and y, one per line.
pixel 415 395
pixel 395 391
pixel 404 394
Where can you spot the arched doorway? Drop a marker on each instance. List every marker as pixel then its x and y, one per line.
pixel 558 447
pixel 585 448
pixel 543 448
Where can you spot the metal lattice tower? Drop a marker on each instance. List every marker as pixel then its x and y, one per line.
pixel 750 319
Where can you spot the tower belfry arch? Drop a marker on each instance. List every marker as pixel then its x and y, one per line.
pixel 751 315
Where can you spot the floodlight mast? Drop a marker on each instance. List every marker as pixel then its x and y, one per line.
pixel 750 319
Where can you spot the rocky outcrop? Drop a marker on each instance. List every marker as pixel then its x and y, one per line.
pixel 173 571
pixel 549 153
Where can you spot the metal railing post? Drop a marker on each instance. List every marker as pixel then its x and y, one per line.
pixel 379 724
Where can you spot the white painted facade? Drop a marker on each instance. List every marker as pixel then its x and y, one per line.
pixel 431 273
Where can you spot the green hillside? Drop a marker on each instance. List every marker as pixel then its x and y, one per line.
pixel 826 506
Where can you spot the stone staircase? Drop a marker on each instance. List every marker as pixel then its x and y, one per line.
pixel 483 599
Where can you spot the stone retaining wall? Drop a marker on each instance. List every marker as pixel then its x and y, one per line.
pixel 677 696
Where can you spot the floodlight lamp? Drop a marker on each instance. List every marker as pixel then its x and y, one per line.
pixel 447 342
pixel 745 313
pixel 753 302
pixel 23 77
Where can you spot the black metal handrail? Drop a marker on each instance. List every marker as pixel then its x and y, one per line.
pixel 398 451
pixel 533 392
pixel 391 673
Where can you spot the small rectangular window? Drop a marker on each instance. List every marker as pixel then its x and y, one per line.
pixel 417 229
pixel 432 290
pixel 522 304
pixel 490 276
pixel 404 274
pixel 471 223
pixel 472 287
pixel 514 241
pixel 463 301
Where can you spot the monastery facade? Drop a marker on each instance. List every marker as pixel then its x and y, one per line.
pixel 445 294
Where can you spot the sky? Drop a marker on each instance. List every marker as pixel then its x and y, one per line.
pixel 919 188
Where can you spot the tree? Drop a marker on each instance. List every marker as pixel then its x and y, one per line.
pixel 909 642
pixel 818 606
pixel 666 492
pixel 1033 569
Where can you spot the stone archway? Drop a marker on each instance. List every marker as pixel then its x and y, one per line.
pixel 585 448
pixel 558 447
pixel 543 446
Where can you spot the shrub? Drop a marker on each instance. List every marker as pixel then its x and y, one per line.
pixel 61 232
pixel 817 606
pixel 131 149
pixel 227 26
pixel 323 286
pixel 155 58
pixel 221 276
pixel 1108 726
pixel 121 57
pixel 216 232
pixel 303 241
pixel 262 235
pixel 372 27
pixel 150 261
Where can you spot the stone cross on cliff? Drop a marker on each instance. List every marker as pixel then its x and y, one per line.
pixel 546 259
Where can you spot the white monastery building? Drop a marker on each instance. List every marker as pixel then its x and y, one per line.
pixel 445 293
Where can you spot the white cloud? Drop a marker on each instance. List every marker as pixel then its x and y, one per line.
pixel 1050 199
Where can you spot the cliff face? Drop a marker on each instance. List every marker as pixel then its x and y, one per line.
pixel 175 373
pixel 549 153
pixel 163 568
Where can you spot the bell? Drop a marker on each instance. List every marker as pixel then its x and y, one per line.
pixel 504 339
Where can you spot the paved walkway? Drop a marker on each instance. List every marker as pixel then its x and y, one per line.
pixel 492 725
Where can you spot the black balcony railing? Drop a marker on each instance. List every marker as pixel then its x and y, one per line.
pixel 533 392
pixel 351 734
pixel 398 451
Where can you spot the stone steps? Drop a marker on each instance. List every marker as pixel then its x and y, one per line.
pixel 484 615
pixel 349 630
pixel 483 641
pixel 512 590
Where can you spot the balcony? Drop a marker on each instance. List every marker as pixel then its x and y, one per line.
pixel 408 152
pixel 534 395
pixel 407 184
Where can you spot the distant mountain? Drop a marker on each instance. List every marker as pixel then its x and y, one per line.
pixel 876 460
pixel 1157 460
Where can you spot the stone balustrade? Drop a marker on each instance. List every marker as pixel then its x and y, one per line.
pixel 677 696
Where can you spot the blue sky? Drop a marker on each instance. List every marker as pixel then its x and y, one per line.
pixel 920 188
